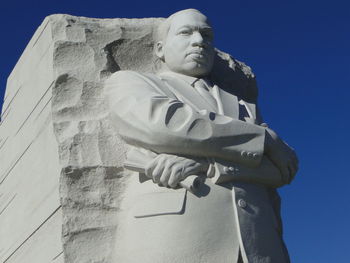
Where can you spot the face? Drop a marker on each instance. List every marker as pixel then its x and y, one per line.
pixel 188 47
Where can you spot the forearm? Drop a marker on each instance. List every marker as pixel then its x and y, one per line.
pixel 266 173
pixel 147 115
pixel 167 126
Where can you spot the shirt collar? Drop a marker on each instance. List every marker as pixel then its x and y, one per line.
pixel 189 79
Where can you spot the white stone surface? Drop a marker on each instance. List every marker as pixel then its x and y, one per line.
pixel 191 122
pixel 61 159
pixel 54 136
pixel 91 155
pixel 43 245
pixel 29 171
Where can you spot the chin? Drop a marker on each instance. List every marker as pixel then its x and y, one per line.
pixel 196 69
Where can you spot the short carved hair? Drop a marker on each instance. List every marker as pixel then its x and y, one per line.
pixel 164 26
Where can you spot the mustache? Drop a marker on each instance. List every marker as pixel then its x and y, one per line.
pixel 199 51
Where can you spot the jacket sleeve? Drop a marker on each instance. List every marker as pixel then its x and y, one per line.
pixel 145 114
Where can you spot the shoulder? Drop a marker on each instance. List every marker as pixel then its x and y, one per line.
pixel 128 76
pixel 126 82
pixel 125 76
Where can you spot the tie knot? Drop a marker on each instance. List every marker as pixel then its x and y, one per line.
pixel 201 83
pixel 203 88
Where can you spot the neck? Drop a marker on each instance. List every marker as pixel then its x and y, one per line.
pixel 165 70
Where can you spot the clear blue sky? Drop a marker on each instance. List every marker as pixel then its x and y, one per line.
pixel 299 51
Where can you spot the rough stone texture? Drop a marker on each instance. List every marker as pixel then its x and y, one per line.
pixel 91 155
pixel 66 70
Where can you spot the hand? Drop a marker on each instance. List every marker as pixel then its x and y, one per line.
pixel 168 170
pixel 281 155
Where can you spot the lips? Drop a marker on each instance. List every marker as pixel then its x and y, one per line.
pixel 197 52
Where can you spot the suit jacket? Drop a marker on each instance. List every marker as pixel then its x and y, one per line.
pixel 239 210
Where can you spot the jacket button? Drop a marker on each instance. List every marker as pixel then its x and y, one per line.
pixel 242 203
pixel 244 154
pixel 229 169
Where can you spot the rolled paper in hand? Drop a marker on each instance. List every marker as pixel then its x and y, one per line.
pixel 136 161
pixel 192 183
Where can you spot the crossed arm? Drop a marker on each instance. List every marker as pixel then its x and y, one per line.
pixel 147 115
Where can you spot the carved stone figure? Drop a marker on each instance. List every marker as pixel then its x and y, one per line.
pixel 179 124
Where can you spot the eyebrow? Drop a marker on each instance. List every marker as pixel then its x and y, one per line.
pixel 195 27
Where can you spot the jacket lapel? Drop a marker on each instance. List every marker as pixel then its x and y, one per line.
pixel 186 93
pixel 229 104
pixel 251 108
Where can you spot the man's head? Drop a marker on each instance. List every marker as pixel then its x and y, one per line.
pixel 186 43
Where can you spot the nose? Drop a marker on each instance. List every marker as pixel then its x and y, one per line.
pixel 197 39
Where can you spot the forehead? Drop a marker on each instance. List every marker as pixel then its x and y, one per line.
pixel 189 19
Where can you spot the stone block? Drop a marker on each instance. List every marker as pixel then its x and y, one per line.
pixel 61 162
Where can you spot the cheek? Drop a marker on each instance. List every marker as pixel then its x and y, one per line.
pixel 178 47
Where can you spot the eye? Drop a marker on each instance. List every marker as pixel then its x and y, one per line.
pixel 185 32
pixel 207 35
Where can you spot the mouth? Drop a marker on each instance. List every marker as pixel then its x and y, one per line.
pixel 198 52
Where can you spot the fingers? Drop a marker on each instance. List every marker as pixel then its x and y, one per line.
pixel 168 170
pixel 286 160
pixel 292 164
pixel 166 173
pixel 172 176
pixel 164 178
pixel 150 167
pixel 293 168
pixel 155 168
pixel 176 176
pixel 285 174
pixel 291 174
pixel 294 157
pixel 158 172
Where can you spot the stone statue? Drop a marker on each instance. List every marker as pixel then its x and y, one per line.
pixel 181 124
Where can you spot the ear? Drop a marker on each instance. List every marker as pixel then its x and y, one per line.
pixel 159 50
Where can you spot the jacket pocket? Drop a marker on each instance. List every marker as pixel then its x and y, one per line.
pixel 160 203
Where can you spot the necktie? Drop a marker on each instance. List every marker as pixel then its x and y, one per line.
pixel 243 113
pixel 204 90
